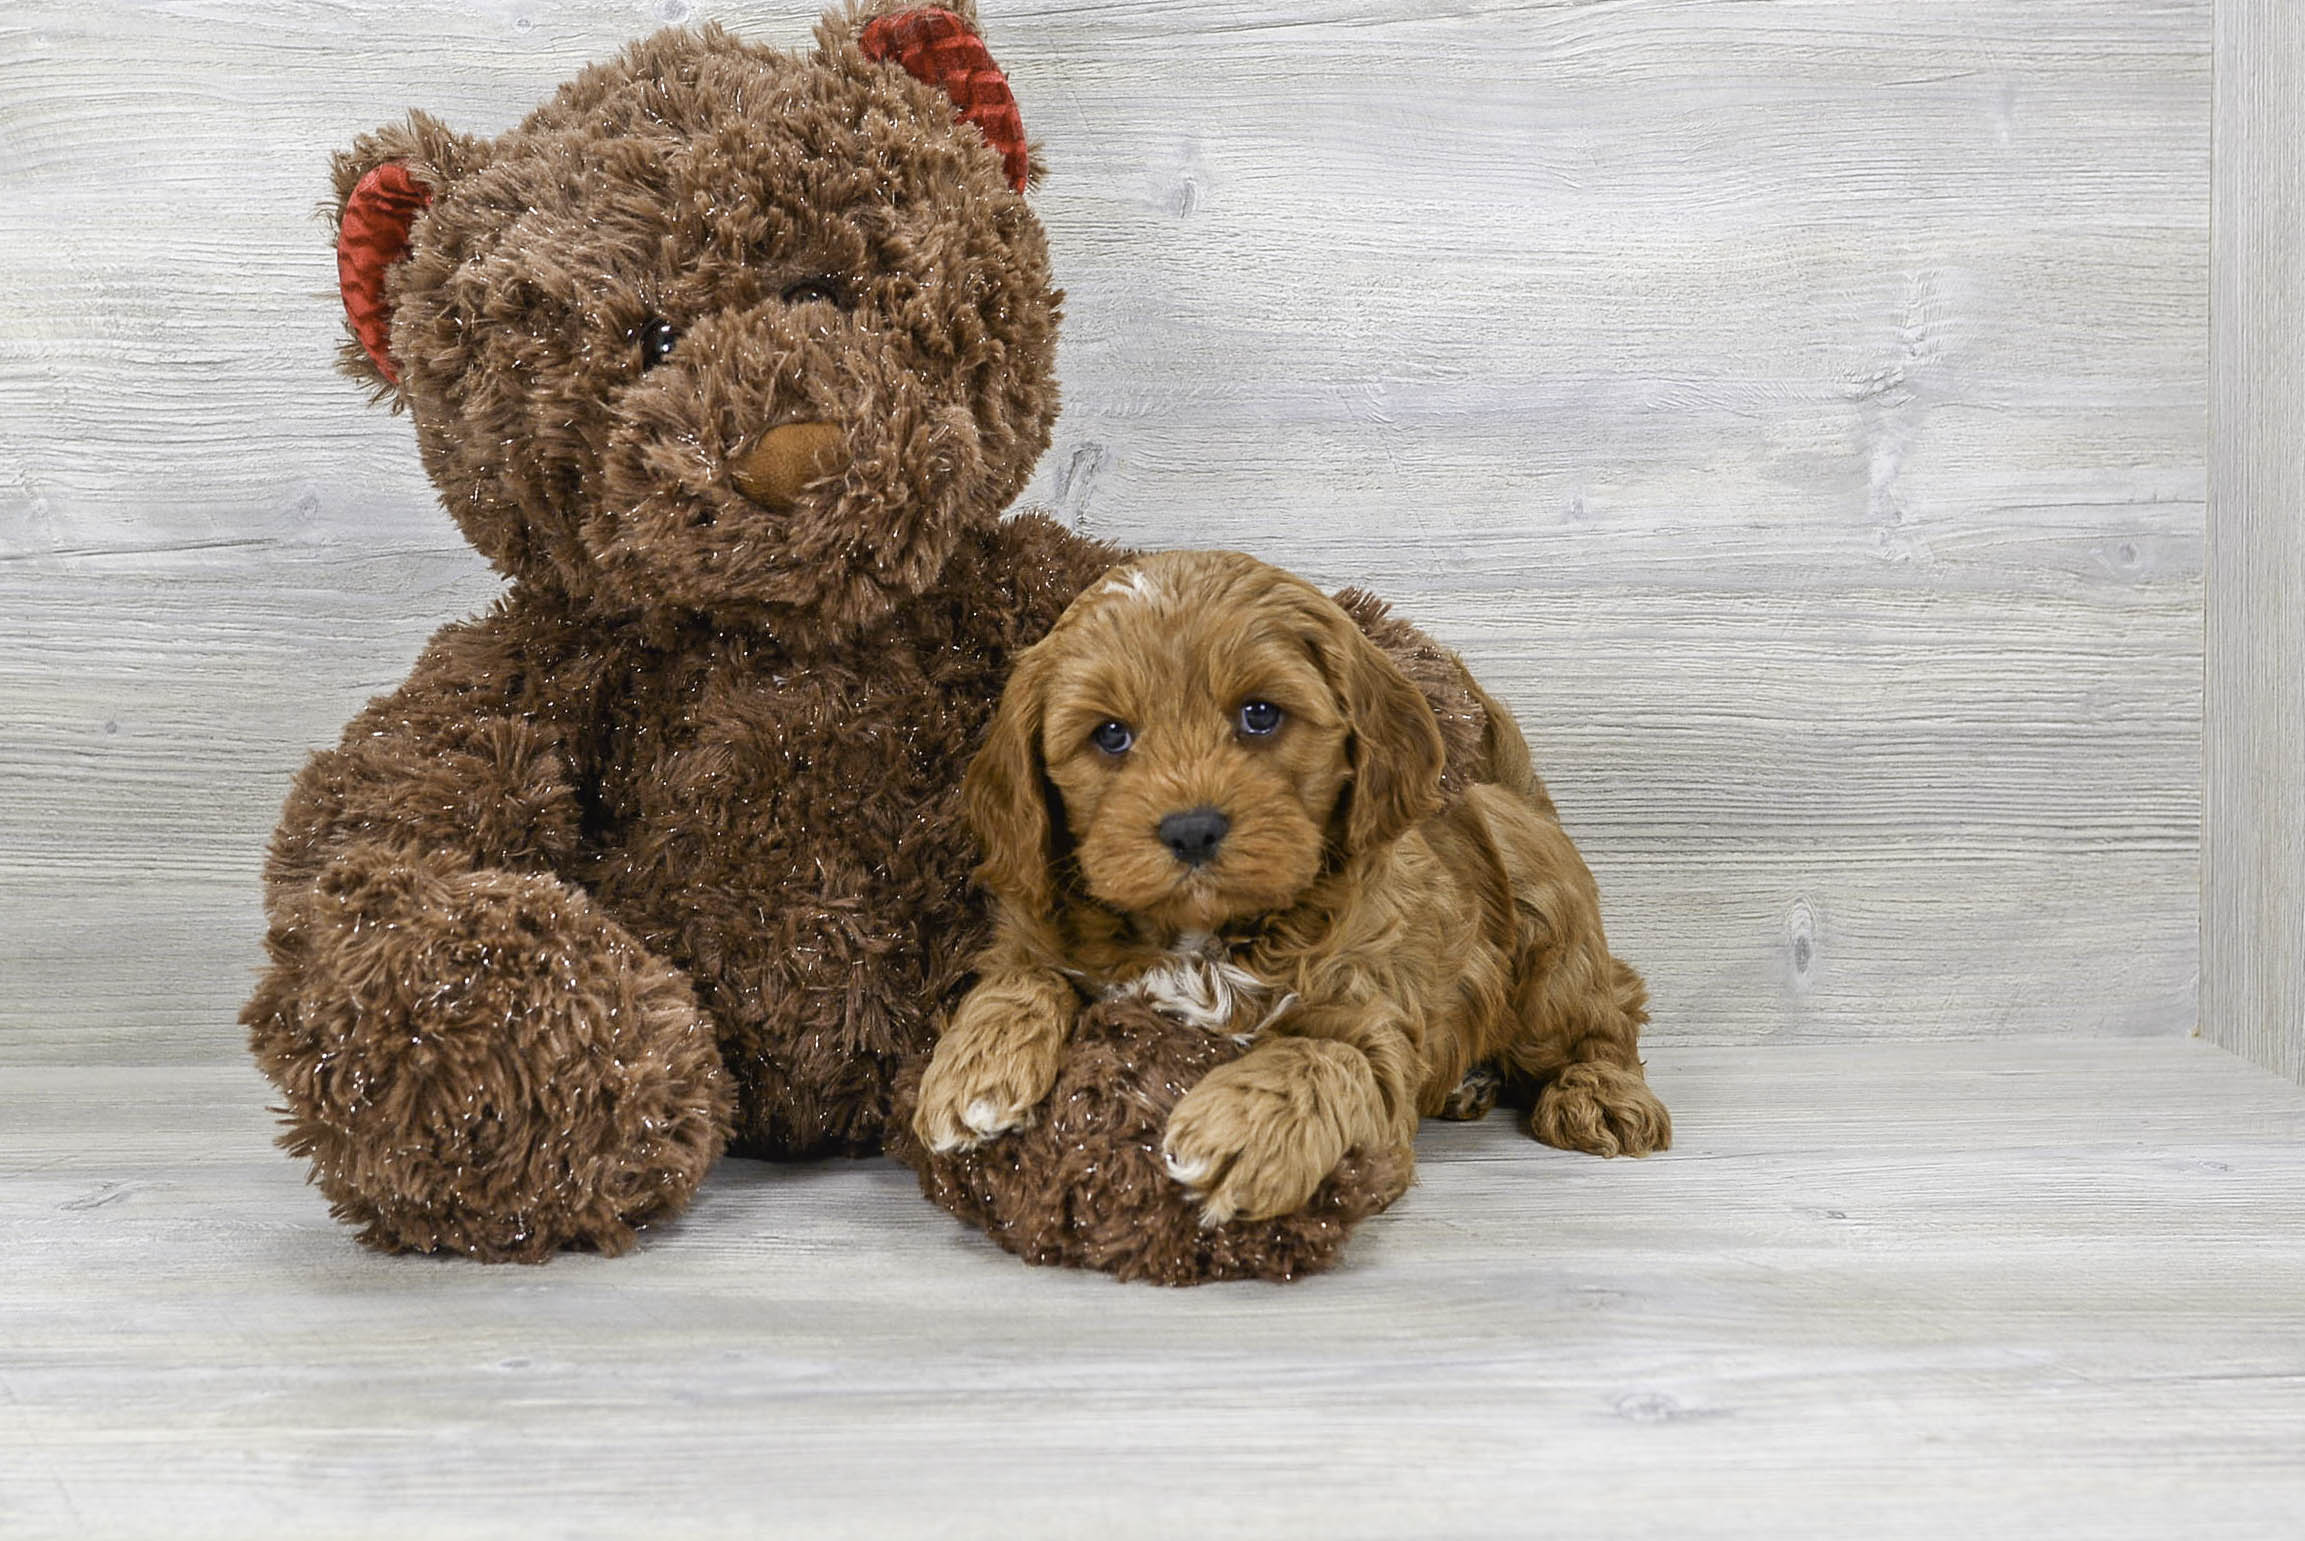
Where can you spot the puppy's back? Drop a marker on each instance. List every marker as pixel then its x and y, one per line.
pixel 1505 757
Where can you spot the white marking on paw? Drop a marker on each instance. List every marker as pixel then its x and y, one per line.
pixel 984 1116
pixel 1191 1173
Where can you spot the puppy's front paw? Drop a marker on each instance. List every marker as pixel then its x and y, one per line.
pixel 1256 1137
pixel 1603 1109
pixel 976 1088
pixel 996 1060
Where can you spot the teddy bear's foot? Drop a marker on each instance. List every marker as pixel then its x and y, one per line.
pixel 481 1062
pixel 1085 1184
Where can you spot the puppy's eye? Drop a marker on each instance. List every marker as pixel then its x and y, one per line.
pixel 656 339
pixel 1259 719
pixel 821 288
pixel 1112 737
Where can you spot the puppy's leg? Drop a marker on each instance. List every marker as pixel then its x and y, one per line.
pixel 1257 1136
pixel 1577 1011
pixel 1590 1094
pixel 997 1058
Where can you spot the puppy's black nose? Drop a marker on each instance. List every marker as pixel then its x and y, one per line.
pixel 1194 834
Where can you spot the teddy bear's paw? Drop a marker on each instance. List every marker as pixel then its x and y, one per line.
pixel 481 1062
pixel 1086 1185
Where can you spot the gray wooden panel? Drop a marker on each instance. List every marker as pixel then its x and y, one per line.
pixel 2253 932
pixel 1795 410
pixel 1920 1290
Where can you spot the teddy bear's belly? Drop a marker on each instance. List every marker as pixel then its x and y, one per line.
pixel 796 847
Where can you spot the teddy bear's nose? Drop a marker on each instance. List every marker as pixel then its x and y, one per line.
pixel 788 458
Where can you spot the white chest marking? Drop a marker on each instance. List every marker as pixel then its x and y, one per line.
pixel 1212 994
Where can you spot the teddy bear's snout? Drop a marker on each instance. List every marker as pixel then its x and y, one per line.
pixel 786 459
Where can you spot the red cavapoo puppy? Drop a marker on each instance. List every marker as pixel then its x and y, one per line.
pixel 1207 789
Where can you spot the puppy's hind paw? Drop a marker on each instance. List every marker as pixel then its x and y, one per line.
pixel 980 1121
pixel 1605 1110
pixel 1474 1095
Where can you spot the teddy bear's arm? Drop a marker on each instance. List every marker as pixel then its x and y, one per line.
pixel 469 759
pixel 474 1055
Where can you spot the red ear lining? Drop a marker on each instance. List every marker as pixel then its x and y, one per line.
pixel 373 235
pixel 936 47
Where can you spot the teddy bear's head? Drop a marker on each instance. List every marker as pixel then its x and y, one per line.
pixel 718 328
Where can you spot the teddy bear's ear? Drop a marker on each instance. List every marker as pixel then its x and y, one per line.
pixel 939 46
pixel 383 183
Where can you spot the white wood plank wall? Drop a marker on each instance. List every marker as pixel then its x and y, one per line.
pixel 1796 410
pixel 2253 934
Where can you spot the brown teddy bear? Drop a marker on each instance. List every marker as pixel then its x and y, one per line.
pixel 729 360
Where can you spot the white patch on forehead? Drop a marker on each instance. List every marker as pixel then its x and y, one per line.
pixel 1136 583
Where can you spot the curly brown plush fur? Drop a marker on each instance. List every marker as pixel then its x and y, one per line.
pixel 1085 1186
pixel 729 360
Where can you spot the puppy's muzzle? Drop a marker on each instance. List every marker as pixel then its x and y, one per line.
pixel 788 458
pixel 1194 835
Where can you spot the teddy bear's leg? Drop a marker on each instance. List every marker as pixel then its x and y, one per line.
pixel 1086 1183
pixel 473 1054
pixel 479 1061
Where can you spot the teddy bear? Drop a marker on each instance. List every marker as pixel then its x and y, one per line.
pixel 730 361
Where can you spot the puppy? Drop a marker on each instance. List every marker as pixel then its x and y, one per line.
pixel 1207 789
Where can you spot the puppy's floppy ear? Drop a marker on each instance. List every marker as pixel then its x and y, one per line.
pixel 1396 745
pixel 1007 796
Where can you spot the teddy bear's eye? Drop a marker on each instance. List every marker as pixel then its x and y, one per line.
pixel 656 339
pixel 1259 719
pixel 1112 737
pixel 819 288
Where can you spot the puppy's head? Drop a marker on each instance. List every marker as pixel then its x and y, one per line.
pixel 1196 740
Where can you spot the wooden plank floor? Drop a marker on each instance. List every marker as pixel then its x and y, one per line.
pixel 1891 1289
